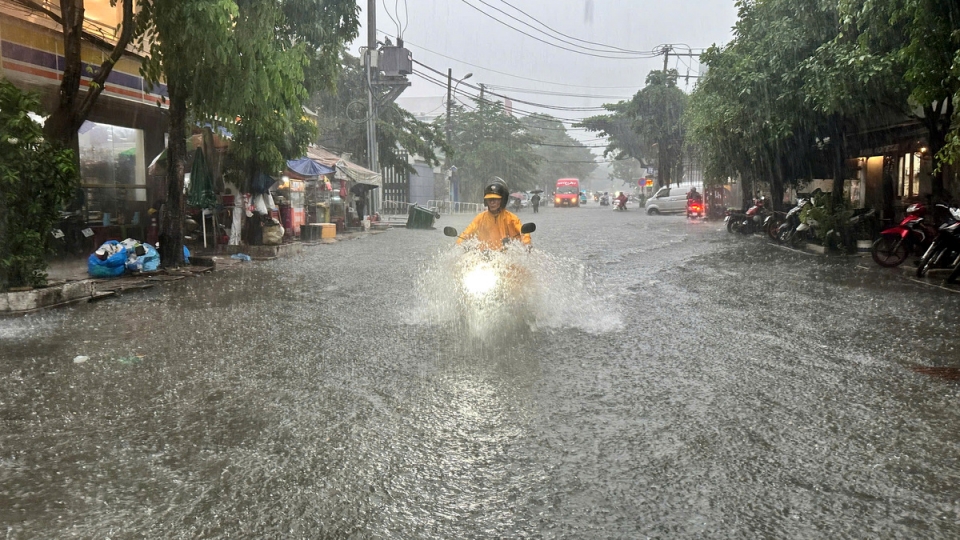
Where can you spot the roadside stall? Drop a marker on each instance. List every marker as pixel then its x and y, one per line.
pixel 351 184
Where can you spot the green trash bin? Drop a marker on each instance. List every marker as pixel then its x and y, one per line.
pixel 420 218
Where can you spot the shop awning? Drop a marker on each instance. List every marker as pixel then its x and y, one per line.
pixel 308 167
pixel 348 169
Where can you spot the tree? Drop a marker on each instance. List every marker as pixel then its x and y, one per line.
pixel 72 109
pixel 627 171
pixel 561 156
pixel 36 176
pixel 910 48
pixel 648 125
pixel 488 142
pixel 342 112
pixel 238 59
pixel 749 115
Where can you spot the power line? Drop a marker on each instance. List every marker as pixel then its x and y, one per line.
pixel 525 112
pixel 565 35
pixel 541 105
pixel 647 56
pixel 511 74
pixel 606 49
pixel 551 93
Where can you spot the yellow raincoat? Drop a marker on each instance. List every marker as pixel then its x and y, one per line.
pixel 490 229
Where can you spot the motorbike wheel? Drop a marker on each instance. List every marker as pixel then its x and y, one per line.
pixel 773 229
pixel 730 225
pixel 889 251
pixel 926 262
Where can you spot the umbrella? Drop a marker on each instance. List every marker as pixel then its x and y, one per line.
pixel 536 191
pixel 201 194
pixel 518 195
pixel 308 167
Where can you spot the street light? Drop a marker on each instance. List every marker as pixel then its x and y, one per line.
pixel 454 195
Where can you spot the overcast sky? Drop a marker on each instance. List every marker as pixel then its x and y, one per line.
pixel 463 35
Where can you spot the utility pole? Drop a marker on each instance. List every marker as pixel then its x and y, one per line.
pixel 454 188
pixel 482 90
pixel 371 65
pixel 666 58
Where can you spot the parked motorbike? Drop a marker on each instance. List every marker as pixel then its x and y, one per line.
pixel 855 227
pixel 945 248
pixel 68 236
pixel 789 230
pixel 733 218
pixel 755 217
pixel 911 237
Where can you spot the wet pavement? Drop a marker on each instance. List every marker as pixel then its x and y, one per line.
pixel 668 380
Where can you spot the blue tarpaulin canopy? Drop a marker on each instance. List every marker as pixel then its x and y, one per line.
pixel 308 167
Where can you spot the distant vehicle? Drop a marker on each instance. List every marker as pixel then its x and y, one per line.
pixel 667 200
pixel 567 193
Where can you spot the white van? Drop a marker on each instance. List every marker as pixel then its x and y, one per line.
pixel 667 200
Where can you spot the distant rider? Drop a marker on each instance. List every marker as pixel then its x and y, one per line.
pixel 693 194
pixel 622 200
pixel 494 224
pixel 535 201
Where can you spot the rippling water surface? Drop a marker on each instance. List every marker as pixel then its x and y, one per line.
pixel 667 380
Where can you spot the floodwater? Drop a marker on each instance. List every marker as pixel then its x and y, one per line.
pixel 667 380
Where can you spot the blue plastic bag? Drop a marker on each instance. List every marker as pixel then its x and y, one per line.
pixel 148 262
pixel 112 266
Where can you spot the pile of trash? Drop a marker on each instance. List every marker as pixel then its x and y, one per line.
pixel 113 258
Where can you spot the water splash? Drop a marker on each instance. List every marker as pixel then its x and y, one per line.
pixel 542 290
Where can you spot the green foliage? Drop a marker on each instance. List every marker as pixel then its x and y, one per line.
pixel 343 111
pixel 829 214
pixel 240 59
pixel 488 142
pixel 749 115
pixel 35 178
pixel 648 126
pixel 561 155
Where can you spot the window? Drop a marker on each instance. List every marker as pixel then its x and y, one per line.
pixel 908 178
pixel 113 174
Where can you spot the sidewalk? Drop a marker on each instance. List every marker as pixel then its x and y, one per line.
pixel 68 281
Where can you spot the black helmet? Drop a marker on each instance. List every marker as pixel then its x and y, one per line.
pixel 497 188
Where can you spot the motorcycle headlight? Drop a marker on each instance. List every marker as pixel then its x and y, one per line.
pixel 480 280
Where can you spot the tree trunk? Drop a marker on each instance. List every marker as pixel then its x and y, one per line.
pixel 71 111
pixel 937 122
pixel 171 224
pixel 839 162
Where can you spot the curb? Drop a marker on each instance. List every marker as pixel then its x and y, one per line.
pixel 69 292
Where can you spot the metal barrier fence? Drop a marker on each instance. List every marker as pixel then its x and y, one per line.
pixel 451 207
pixel 390 207
pixel 395 208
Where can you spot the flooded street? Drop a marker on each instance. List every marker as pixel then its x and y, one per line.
pixel 672 380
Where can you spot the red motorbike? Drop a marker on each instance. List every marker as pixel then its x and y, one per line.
pixel 912 236
pixel 694 208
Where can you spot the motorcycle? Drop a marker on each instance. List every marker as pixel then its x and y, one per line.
pixel 694 208
pixel 754 219
pixel 604 200
pixel 845 237
pixel 492 288
pixel 945 248
pixel 789 231
pixel 911 237
pixel 621 204
pixel 733 218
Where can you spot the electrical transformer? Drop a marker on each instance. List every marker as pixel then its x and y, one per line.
pixel 395 61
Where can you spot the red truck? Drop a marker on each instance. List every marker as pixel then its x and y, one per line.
pixel 567 192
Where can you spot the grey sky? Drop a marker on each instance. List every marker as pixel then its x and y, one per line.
pixel 451 33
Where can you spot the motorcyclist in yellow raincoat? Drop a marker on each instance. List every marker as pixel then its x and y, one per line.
pixel 494 224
